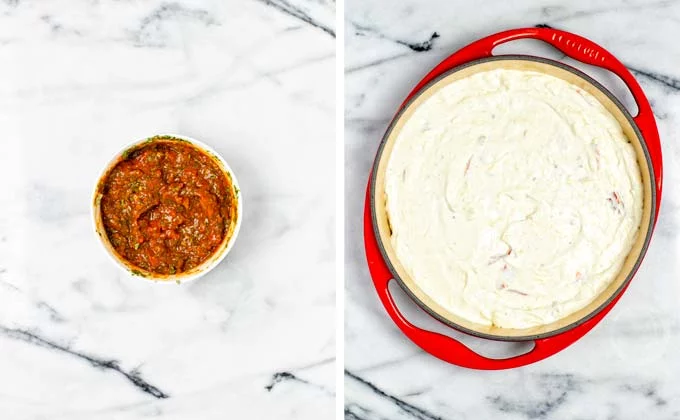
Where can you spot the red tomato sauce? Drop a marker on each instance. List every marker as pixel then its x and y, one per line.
pixel 167 206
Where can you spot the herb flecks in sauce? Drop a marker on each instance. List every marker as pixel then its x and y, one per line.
pixel 167 206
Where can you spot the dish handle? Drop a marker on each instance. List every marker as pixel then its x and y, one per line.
pixel 580 49
pixel 447 348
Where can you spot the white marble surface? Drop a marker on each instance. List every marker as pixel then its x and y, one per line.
pixel 80 339
pixel 627 367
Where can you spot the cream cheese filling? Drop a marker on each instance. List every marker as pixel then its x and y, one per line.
pixel 513 197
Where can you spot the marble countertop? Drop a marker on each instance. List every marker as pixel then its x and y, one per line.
pixel 626 367
pixel 80 339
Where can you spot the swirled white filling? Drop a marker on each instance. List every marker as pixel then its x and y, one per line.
pixel 514 198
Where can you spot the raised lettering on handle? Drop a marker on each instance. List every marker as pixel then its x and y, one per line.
pixel 576 46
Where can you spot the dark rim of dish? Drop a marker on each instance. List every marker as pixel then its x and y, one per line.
pixel 429 310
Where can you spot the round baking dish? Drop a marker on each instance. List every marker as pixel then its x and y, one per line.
pixel 210 262
pixel 526 63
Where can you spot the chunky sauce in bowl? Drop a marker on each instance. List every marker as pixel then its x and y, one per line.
pixel 167 206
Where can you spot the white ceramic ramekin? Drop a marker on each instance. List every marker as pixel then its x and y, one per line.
pixel 210 262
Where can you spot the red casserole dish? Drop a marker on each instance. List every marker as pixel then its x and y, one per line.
pixel 642 132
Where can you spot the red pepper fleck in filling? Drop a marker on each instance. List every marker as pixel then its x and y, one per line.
pixel 167 206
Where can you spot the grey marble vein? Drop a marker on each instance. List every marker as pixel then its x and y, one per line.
pixel 672 83
pixel 279 377
pixel 649 391
pixel 105 364
pixel 291 9
pixel 354 411
pixel 378 62
pixel 53 314
pixel 150 32
pixel 411 409
pixel 416 46
pixel 288 377
pixel 557 389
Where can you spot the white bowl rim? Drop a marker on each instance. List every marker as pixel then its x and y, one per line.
pixel 213 260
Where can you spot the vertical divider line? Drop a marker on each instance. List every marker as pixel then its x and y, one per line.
pixel 340 208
